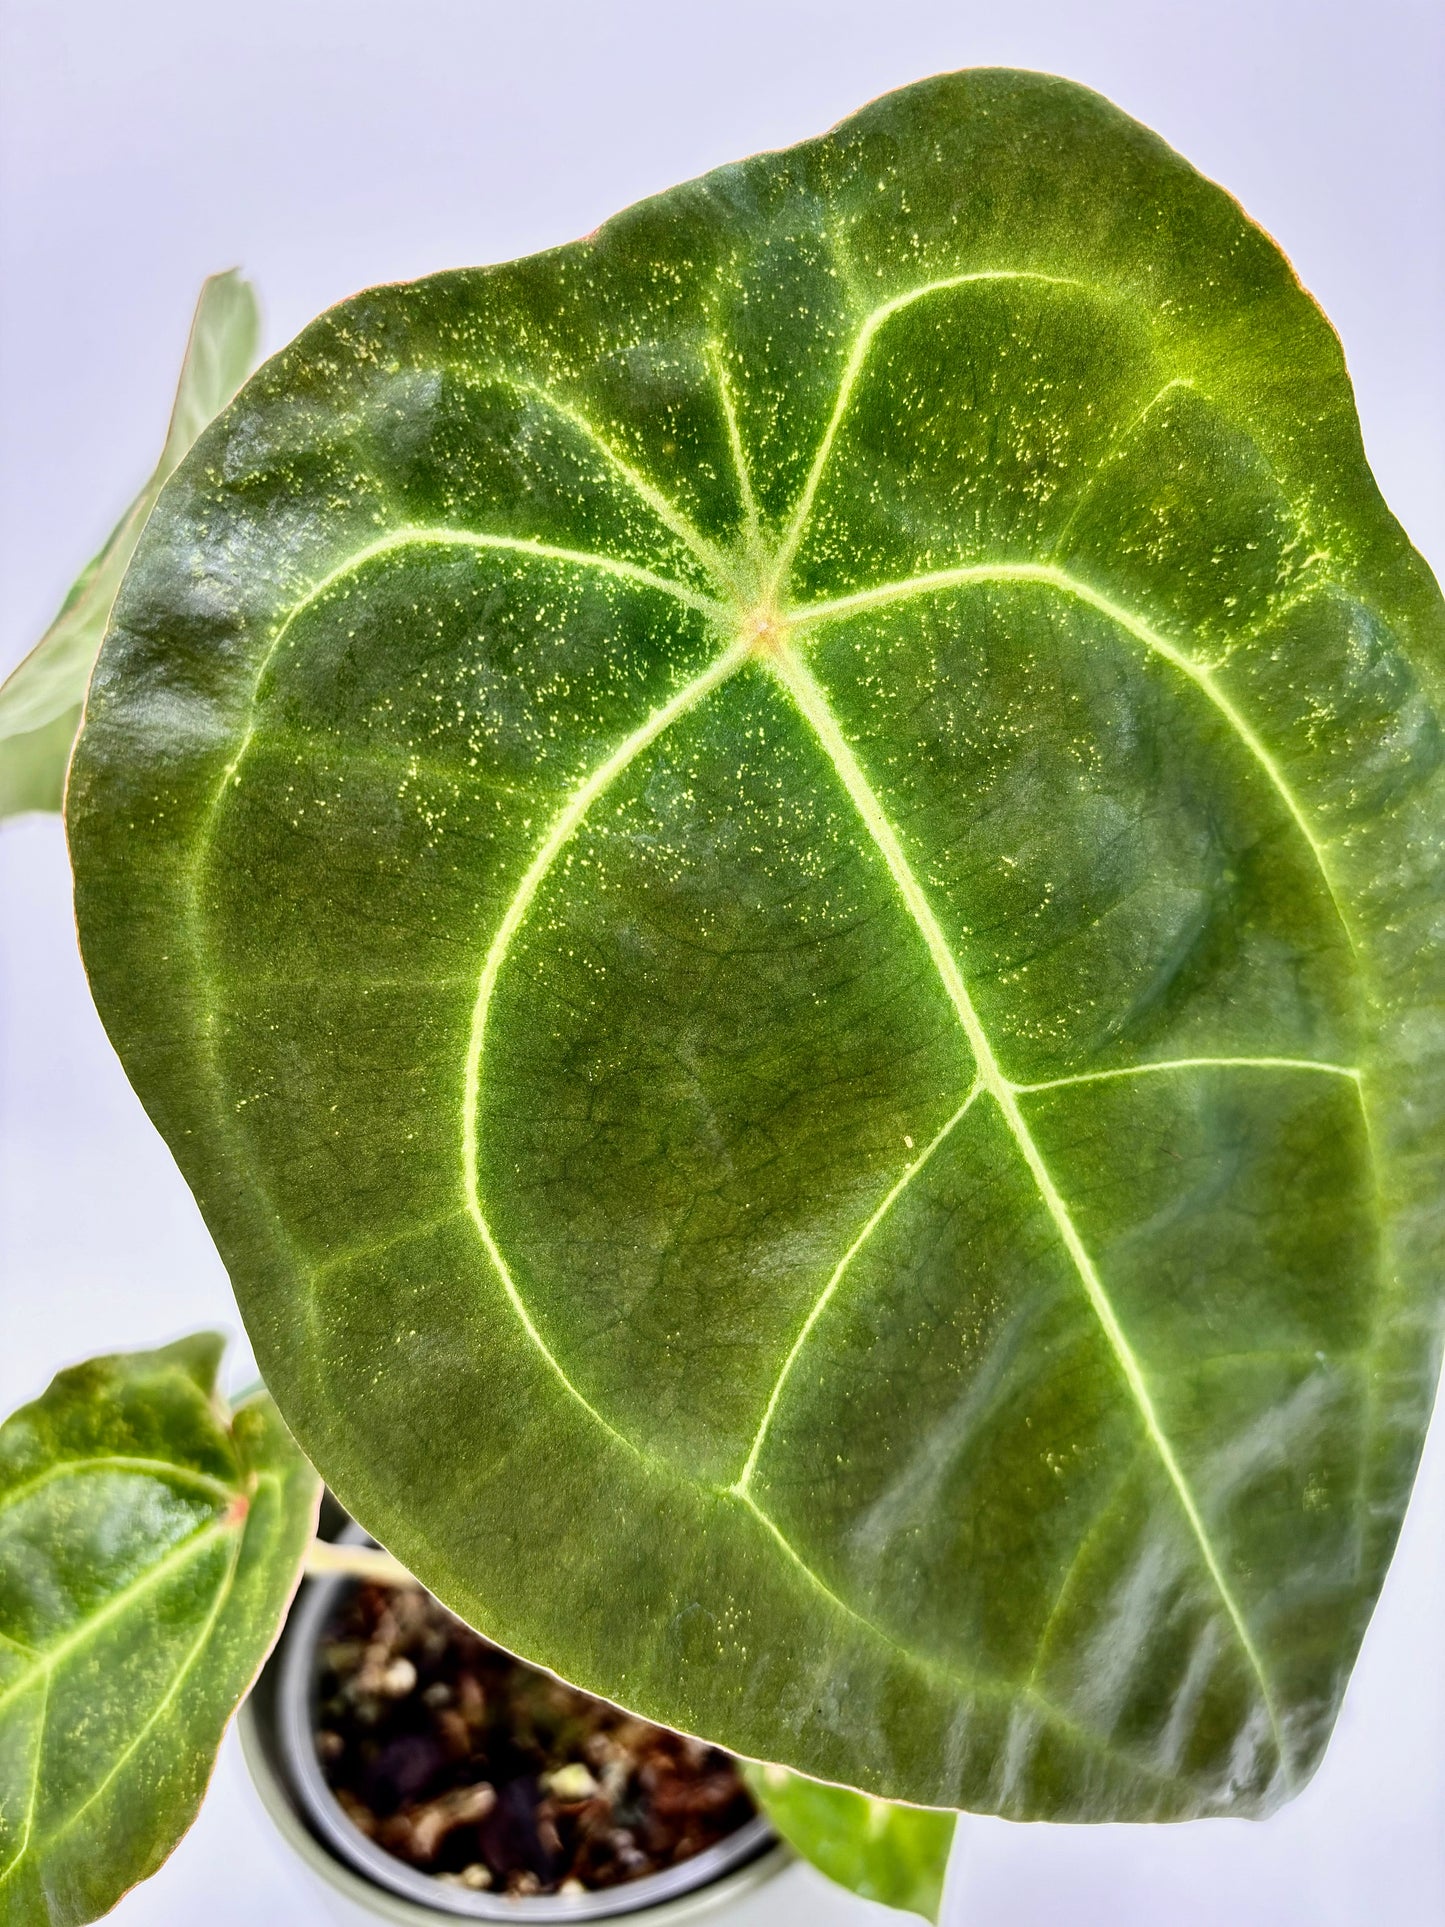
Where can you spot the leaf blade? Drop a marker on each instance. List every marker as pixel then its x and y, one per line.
pixel 678 1034
pixel 151 1545
pixel 893 1854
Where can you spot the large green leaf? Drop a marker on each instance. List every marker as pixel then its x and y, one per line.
pixel 41 699
pixel 894 1854
pixel 778 877
pixel 149 1544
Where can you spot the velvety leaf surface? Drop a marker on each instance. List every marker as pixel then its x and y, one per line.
pixel 778 877
pixel 149 1544
pixel 886 1852
pixel 41 699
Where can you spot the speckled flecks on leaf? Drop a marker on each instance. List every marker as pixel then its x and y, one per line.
pixel 776 877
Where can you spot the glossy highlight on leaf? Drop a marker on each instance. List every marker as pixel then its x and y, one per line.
pixel 776 876
pixel 893 1854
pixel 149 1544
pixel 41 699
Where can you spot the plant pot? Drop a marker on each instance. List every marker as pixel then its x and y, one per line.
pixel 278 1726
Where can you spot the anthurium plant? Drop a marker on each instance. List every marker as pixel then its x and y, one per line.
pixel 776 876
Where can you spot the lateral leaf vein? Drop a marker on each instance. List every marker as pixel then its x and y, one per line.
pixel 820 1304
pixel 1050 576
pixel 563 828
pixel 796 677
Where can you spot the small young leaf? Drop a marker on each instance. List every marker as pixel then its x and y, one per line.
pixel 149 1544
pixel 779 878
pixel 40 701
pixel 876 1848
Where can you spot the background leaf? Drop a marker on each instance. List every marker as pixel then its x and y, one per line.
pixel 33 764
pixel 149 1544
pixel 894 1854
pixel 777 877
pixel 41 699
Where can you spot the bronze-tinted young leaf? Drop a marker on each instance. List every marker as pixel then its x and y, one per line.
pixel 149 1543
pixel 894 1854
pixel 777 876
pixel 40 700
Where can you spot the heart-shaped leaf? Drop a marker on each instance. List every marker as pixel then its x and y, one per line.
pixel 40 701
pixel 886 1852
pixel 776 876
pixel 149 1544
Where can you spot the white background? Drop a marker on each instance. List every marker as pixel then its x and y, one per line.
pixel 325 144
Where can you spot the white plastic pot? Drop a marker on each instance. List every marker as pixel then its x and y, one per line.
pixel 277 1726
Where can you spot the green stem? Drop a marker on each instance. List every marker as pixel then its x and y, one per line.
pixel 323 1556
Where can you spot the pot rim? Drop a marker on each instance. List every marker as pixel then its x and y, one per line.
pixel 749 1854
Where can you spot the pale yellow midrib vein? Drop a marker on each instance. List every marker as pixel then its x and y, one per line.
pixel 119 1462
pixel 795 676
pixel 1053 577
pixel 911 1171
pixel 820 1304
pixel 394 541
pixel 853 367
pixel 47 1658
pixel 523 545
pixel 1134 1377
pixel 563 828
pixel 667 512
pixel 735 439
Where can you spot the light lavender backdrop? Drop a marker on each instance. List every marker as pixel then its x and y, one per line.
pixel 325 144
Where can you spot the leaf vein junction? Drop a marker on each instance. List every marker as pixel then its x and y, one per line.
pixel 853 367
pixel 1051 577
pixel 812 703
pixel 820 1304
pixel 49 1657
